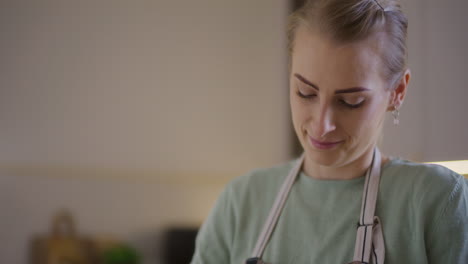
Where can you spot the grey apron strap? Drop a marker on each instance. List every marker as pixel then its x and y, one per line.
pixel 369 237
pixel 276 209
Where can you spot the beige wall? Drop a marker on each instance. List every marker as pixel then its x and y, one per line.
pixel 433 120
pixel 145 84
pixel 134 114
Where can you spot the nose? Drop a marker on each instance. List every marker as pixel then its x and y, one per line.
pixel 324 122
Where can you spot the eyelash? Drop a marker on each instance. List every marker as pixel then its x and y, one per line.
pixel 305 96
pixel 342 102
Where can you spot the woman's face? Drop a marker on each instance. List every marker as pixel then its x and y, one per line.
pixel 338 97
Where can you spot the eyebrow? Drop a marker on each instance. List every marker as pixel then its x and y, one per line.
pixel 341 91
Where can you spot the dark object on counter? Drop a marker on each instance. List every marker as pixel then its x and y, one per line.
pixel 179 245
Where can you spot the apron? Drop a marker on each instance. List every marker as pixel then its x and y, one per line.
pixel 369 238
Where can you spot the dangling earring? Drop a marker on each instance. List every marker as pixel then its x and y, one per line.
pixel 395 114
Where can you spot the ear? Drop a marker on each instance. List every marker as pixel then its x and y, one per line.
pixel 398 94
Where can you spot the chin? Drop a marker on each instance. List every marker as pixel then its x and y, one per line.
pixel 329 158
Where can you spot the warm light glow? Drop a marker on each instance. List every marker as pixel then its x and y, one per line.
pixel 458 166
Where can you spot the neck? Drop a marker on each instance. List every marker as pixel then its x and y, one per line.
pixel 351 170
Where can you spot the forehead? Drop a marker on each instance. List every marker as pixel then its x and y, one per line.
pixel 324 61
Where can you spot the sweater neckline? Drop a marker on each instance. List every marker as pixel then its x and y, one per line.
pixel 328 182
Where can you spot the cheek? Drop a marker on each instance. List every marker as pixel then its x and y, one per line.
pixel 362 123
pixel 297 108
pixel 301 114
pixel 297 113
pixel 294 108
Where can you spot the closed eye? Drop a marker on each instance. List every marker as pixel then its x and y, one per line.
pixel 353 106
pixel 306 96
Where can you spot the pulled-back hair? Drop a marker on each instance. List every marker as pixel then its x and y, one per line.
pixel 345 21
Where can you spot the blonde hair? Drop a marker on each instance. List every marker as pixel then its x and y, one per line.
pixel 354 20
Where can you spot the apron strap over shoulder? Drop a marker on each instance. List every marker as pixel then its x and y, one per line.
pixel 369 237
pixel 275 211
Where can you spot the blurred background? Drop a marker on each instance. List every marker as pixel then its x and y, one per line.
pixel 121 121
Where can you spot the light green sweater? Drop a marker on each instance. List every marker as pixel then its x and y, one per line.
pixel 423 210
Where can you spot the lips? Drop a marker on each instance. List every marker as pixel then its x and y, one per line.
pixel 324 144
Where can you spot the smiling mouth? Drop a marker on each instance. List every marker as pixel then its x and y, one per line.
pixel 324 144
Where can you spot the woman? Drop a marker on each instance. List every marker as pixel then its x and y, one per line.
pixel 342 201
